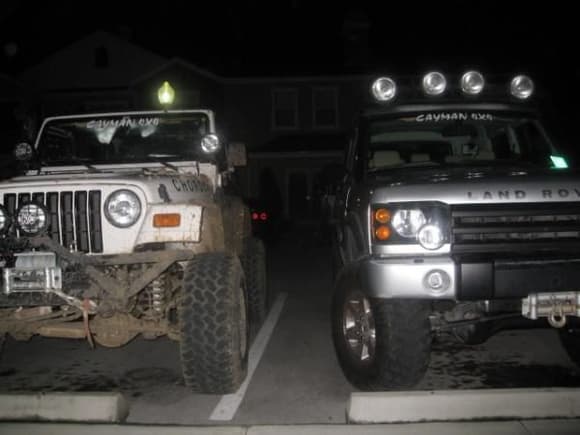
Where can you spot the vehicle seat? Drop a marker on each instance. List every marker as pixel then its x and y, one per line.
pixel 420 157
pixel 385 158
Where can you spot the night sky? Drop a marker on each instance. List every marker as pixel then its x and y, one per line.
pixel 306 37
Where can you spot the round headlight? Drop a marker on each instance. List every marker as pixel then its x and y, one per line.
pixel 4 219
pixel 522 87
pixel 407 222
pixel 434 83
pixel 431 237
pixel 32 219
pixel 472 83
pixel 210 143
pixel 122 208
pixel 384 89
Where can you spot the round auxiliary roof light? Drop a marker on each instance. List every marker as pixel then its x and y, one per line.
pixel 522 87
pixel 434 83
pixel 384 89
pixel 472 83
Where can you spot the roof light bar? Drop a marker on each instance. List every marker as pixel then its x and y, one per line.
pixel 384 89
pixel 522 87
pixel 472 83
pixel 434 83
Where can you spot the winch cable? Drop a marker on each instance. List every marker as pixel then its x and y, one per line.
pixel 86 308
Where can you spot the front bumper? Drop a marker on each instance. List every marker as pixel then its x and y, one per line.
pixel 468 280
pixel 39 276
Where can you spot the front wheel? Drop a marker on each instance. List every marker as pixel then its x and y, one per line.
pixel 380 344
pixel 254 263
pixel 213 324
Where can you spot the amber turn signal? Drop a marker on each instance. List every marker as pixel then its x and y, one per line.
pixel 382 233
pixel 166 220
pixel 382 215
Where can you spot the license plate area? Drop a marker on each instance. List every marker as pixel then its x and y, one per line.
pixel 561 304
pixel 33 272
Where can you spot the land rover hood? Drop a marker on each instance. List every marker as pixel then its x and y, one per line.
pixel 476 185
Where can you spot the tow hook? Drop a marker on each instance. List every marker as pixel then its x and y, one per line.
pixel 557 318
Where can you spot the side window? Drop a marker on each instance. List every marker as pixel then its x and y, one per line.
pixel 532 143
pixel 501 144
pixel 284 109
pixel 324 108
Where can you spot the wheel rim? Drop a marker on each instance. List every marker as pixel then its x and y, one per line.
pixel 358 327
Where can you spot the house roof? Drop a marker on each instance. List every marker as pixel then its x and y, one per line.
pixel 75 66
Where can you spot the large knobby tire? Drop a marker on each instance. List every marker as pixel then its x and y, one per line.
pixel 213 324
pixel 254 262
pixel 570 338
pixel 380 344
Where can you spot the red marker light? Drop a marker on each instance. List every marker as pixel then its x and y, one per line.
pixel 255 216
pixel 264 216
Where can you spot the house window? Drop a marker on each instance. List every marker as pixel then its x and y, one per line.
pixel 101 57
pixel 324 108
pixel 284 109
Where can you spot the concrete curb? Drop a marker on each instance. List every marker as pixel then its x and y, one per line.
pixel 551 427
pixel 81 407
pixel 457 405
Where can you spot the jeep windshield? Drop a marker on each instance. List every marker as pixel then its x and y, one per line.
pixel 456 138
pixel 123 138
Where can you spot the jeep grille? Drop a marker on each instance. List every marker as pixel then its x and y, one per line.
pixel 74 216
pixel 525 227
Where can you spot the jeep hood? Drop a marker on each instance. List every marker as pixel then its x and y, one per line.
pixel 158 186
pixel 480 184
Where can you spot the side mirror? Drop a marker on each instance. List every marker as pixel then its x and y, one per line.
pixel 236 154
pixel 23 152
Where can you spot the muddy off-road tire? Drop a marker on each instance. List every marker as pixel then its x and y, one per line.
pixel 380 344
pixel 2 341
pixel 254 263
pixel 213 324
pixel 570 339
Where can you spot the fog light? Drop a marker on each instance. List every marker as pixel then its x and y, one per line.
pixel 437 281
pixel 4 219
pixel 32 219
pixel 431 237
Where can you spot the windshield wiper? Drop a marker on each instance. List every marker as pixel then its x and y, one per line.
pixel 157 158
pixel 403 166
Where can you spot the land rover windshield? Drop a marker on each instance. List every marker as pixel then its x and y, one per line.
pixel 123 138
pixel 457 138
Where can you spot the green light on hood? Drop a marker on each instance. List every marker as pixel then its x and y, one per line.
pixel 559 162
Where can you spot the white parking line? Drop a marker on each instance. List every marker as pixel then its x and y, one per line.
pixel 228 405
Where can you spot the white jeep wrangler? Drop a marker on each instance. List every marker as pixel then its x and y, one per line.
pixel 126 224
